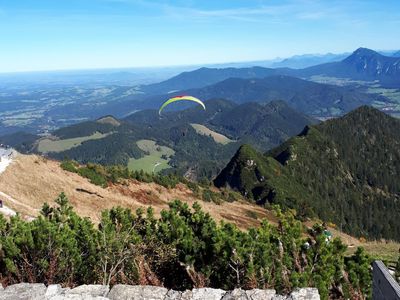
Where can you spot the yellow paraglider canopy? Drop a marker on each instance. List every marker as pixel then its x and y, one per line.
pixel 181 98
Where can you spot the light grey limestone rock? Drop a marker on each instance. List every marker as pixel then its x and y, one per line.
pixel 305 294
pixel 24 291
pixel 236 294
pixel 36 291
pixel 173 295
pixel 187 295
pixel 53 290
pixel 93 290
pixel 257 294
pixel 280 297
pixel 207 294
pixel 76 297
pixel 137 292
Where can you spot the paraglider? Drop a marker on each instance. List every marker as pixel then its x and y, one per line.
pixel 181 98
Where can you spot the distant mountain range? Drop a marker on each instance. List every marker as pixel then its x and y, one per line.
pixel 308 97
pixel 308 60
pixel 362 64
pixel 344 170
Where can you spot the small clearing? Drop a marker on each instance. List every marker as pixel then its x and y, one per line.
pixel 53 145
pixel 218 138
pixel 381 249
pixel 109 120
pixel 155 160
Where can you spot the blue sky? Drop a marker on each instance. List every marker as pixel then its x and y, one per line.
pixel 80 34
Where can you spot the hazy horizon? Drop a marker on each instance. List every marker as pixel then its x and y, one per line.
pixel 47 35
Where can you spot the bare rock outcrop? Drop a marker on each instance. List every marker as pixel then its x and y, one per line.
pixel 36 291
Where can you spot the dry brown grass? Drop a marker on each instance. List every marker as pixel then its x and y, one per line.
pixel 32 180
pixel 383 250
pixel 219 138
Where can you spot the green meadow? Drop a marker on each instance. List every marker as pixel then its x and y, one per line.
pixel 155 160
pixel 48 145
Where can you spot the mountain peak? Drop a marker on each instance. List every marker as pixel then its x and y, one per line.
pixel 362 54
pixel 367 64
pixel 348 164
pixel 245 168
pixel 365 51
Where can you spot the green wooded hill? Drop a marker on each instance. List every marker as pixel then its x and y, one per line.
pixel 264 126
pixel 345 170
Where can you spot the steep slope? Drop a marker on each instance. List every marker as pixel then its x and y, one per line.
pixel 344 171
pixel 32 180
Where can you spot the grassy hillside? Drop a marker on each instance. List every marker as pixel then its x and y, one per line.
pixel 156 157
pixel 32 180
pixel 219 138
pixel 55 145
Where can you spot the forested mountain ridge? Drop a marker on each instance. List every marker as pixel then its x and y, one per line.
pixel 344 170
pixel 260 124
pixel 193 134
